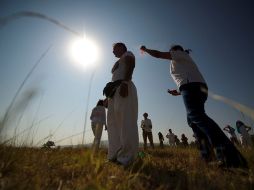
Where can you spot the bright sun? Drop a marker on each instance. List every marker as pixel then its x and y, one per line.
pixel 85 52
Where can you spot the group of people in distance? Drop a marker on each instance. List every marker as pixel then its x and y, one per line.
pixel 122 103
pixel 146 126
pixel 173 139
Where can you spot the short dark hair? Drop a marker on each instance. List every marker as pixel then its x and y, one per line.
pixel 239 123
pixel 179 47
pixel 145 114
pixel 176 47
pixel 120 44
pixel 100 103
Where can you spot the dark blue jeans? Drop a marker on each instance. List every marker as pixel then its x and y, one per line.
pixel 207 132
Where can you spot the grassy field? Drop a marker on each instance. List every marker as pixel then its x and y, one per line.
pixel 77 168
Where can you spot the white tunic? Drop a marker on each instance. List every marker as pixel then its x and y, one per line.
pixel 183 69
pixel 146 125
pixel 122 120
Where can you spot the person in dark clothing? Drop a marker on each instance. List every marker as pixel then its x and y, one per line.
pixel 161 139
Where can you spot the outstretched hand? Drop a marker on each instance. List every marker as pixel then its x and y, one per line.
pixel 174 92
pixel 143 48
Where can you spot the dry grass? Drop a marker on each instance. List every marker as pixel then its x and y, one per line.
pixel 169 168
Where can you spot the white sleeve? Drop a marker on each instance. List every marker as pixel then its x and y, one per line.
pixel 180 56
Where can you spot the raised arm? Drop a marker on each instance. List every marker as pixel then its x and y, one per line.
pixel 156 53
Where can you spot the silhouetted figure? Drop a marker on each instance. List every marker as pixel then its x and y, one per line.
pixel 146 125
pixel 232 134
pixel 194 91
pixel 123 109
pixel 98 119
pixel 177 141
pixel 171 138
pixel 161 139
pixel 184 140
pixel 243 130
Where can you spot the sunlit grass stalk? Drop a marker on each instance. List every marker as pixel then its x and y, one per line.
pixel 87 105
pixel 23 131
pixel 7 113
pixel 33 122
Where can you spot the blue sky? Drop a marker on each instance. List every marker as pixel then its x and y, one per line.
pixel 220 33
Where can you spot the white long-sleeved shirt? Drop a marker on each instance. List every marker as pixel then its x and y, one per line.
pixel 183 69
pixel 98 115
pixel 146 124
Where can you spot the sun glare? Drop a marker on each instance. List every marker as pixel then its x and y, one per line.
pixel 84 52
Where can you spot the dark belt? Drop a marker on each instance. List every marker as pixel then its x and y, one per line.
pixel 110 88
pixel 192 85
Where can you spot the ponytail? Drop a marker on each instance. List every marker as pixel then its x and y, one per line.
pixel 188 51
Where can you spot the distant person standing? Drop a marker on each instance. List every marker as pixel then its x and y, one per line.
pixel 177 141
pixel 146 125
pixel 98 119
pixel 184 140
pixel 171 138
pixel 161 139
pixel 233 136
pixel 243 130
pixel 194 91
pixel 123 109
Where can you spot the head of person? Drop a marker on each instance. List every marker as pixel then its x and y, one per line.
pixel 100 103
pixel 239 123
pixel 119 49
pixel 179 48
pixel 170 131
pixel 145 115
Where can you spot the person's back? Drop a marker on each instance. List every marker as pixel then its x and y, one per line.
pixel 98 115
